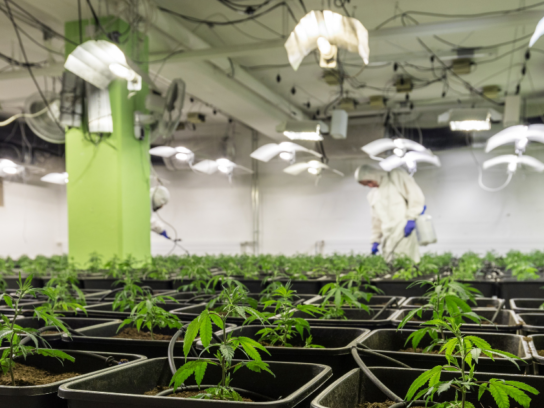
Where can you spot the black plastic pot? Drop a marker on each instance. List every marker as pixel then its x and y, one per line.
pixel 355 388
pixel 101 338
pixel 536 344
pixel 105 283
pixel 13 281
pixel 526 305
pixel 105 310
pixel 375 301
pixel 481 303
pixel 76 323
pixel 124 387
pixel 488 288
pixel 358 318
pixel 305 287
pixel 390 341
pixel 399 287
pixel 533 323
pixel 45 396
pixel 511 288
pixel 189 313
pixel 506 322
pixel 337 341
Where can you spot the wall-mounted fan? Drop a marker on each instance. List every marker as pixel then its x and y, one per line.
pixel 224 166
pixel 165 112
pixel 286 150
pixel 46 125
pixel 313 167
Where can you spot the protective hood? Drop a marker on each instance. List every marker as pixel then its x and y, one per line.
pixel 370 173
pixel 159 197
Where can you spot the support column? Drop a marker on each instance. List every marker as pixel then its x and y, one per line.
pixel 108 188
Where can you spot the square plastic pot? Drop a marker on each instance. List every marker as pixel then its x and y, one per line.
pixel 522 305
pixel 105 310
pixel 13 281
pixel 358 318
pixel 337 341
pixel 105 283
pixel 355 388
pixel 399 287
pixel 506 322
pixel 488 288
pixel 536 344
pixel 124 387
pixel 390 341
pixel 101 337
pixel 305 287
pixel 189 313
pixel 375 301
pixel 511 288
pixel 481 303
pixel 45 396
pixel 533 323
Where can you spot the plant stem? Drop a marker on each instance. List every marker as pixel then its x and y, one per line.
pixel 223 364
pixel 16 313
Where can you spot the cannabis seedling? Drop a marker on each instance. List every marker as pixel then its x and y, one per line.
pixel 130 294
pixel 13 334
pixel 234 303
pixel 286 325
pixel 147 314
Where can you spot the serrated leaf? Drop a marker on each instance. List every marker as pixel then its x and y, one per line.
pixel 217 320
pixel 190 336
pixel 205 329
pixel 499 395
pixel 200 370
pixel 227 352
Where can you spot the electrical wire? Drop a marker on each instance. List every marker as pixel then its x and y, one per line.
pixel 482 47
pixel 491 189
pixel 46 102
pixel 22 115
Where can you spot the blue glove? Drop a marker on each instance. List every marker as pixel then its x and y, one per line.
pixel 424 209
pixel 164 234
pixel 375 246
pixel 410 225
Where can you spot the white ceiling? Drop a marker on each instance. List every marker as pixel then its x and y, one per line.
pixel 246 88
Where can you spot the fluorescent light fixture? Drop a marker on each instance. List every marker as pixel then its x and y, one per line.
pixel 326 31
pixel 520 135
pixel 99 62
pixel 303 130
pixel 9 168
pixel 286 150
pixel 513 161
pixel 179 153
pixel 539 30
pixel 313 167
pixel 409 160
pixel 468 120
pixel 399 147
pixel 55 178
pixel 222 165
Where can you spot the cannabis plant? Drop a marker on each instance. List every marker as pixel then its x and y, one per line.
pixel 129 295
pixel 234 303
pixel 62 292
pixel 286 325
pixel 12 334
pixel 343 293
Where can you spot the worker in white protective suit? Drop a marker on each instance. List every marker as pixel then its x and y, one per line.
pixel 159 198
pixel 396 201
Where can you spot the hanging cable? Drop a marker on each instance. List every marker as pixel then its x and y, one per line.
pixel 490 189
pixel 22 115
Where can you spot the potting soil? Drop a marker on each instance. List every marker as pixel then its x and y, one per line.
pixel 27 376
pixel 420 350
pixel 540 353
pixel 133 333
pixel 190 394
pixel 385 404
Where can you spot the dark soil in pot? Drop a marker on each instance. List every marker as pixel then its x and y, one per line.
pixel 392 343
pixel 105 310
pixel 25 375
pixel 125 387
pixel 133 333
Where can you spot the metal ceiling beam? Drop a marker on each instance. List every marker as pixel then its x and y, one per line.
pixel 383 34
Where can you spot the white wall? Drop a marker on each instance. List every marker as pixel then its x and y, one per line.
pixel 213 216
pixel 32 220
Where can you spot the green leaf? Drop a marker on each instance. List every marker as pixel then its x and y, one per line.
pixel 523 386
pixel 217 320
pixel 200 370
pixel 190 336
pixel 227 352
pixel 421 381
pixel 499 395
pixel 205 329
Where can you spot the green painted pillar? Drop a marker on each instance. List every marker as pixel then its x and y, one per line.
pixel 108 188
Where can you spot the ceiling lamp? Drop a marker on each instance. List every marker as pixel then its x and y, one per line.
pixel 56 178
pixel 513 161
pixel 9 168
pixel 224 166
pixel 469 120
pixel 100 62
pixel 180 153
pixel 409 160
pixel 327 31
pixel 398 146
pixel 303 130
pixel 286 150
pixel 539 30
pixel 313 167
pixel 521 135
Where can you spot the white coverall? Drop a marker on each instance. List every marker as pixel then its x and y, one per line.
pixel 397 200
pixel 159 198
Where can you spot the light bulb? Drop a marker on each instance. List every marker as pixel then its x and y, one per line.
pixel 10 170
pixel 521 144
pixel 314 171
pixel 66 180
pixel 324 46
pixel 224 169
pixel 122 71
pixel 512 167
pixel 468 125
pixel 287 156
pixel 182 156
pixel 398 151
